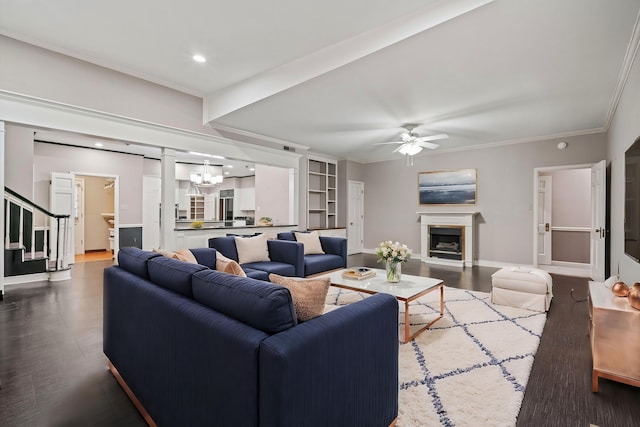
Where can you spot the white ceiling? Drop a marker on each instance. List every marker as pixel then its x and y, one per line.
pixel 338 76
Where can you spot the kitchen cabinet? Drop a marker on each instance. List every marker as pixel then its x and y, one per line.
pixel 196 208
pixel 247 198
pixel 210 206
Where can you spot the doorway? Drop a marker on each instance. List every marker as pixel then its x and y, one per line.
pixel 567 206
pixel 94 213
pixel 355 217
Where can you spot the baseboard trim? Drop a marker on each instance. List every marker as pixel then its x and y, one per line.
pixel 26 278
pixel 132 396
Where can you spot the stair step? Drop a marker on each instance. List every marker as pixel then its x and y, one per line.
pixel 36 256
pixel 15 246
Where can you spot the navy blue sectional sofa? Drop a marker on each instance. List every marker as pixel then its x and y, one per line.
pixel 197 347
pixel 335 254
pixel 286 258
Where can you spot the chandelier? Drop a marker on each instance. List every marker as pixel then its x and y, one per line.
pixel 205 179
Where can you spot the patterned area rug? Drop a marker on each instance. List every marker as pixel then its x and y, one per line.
pixel 471 367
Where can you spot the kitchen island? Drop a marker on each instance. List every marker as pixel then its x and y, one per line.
pixel 189 237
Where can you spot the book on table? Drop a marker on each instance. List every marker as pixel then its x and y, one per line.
pixel 358 273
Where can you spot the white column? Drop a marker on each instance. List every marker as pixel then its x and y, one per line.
pixel 2 210
pixel 167 198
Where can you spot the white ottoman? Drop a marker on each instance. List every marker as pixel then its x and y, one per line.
pixel 522 287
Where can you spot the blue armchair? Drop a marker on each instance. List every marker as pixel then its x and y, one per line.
pixel 334 257
pixel 285 258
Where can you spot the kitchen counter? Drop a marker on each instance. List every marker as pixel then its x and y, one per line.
pixel 189 237
pixel 214 225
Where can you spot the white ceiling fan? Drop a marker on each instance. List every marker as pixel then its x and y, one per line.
pixel 412 144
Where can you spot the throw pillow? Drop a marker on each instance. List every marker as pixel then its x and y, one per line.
pixel 185 255
pixel 164 253
pixel 252 249
pixel 308 295
pixel 310 241
pixel 227 265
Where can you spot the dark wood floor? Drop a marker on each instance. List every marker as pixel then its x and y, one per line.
pixel 53 372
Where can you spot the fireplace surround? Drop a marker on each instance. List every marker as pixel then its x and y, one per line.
pixel 447 238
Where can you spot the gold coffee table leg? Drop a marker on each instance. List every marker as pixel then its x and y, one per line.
pixel 407 333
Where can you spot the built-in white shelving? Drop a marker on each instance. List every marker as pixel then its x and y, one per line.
pixel 322 179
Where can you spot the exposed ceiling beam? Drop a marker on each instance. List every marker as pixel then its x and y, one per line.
pixel 232 98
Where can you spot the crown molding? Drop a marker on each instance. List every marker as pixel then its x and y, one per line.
pixel 623 76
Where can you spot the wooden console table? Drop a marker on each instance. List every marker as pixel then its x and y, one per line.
pixel 614 330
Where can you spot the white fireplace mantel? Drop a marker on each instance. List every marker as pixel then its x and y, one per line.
pixel 465 219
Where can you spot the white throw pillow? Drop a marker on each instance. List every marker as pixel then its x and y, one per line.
pixel 310 241
pixel 252 249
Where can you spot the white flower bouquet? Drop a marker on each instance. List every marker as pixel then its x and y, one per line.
pixel 393 252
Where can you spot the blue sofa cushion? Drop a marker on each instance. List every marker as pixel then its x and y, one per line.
pixel 314 264
pixel 134 261
pixel 205 256
pixel 254 302
pixel 226 245
pixel 173 274
pixel 281 268
pixel 256 274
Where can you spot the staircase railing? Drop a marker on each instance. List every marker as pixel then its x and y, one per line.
pixel 60 235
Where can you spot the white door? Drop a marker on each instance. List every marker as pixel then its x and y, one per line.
pixel 150 212
pixel 78 217
pixel 355 217
pixel 61 203
pixel 598 220
pixel 544 220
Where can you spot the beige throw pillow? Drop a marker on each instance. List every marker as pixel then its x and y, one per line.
pixel 308 295
pixel 185 255
pixel 164 253
pixel 227 265
pixel 252 249
pixel 310 241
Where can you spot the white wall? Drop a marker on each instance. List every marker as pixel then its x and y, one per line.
pixel 505 194
pixel 625 128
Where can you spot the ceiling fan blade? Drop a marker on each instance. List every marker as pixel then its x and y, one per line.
pixel 433 137
pixel 429 145
pixel 385 143
pixel 396 150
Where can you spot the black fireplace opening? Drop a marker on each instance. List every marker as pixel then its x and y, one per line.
pixel 446 242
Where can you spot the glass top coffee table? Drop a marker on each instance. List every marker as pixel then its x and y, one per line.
pixel 408 289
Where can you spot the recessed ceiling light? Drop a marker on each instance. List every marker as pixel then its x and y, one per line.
pixel 98 144
pixel 199 58
pixel 226 173
pixel 229 166
pixel 252 169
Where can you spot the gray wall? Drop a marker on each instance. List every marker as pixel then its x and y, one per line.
pixel 46 74
pixel 625 128
pixel 18 171
pixel 59 158
pixel 272 193
pixel 505 194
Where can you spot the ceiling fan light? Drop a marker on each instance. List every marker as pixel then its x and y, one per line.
pixel 410 149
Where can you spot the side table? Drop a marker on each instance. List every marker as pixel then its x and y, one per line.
pixel 614 330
